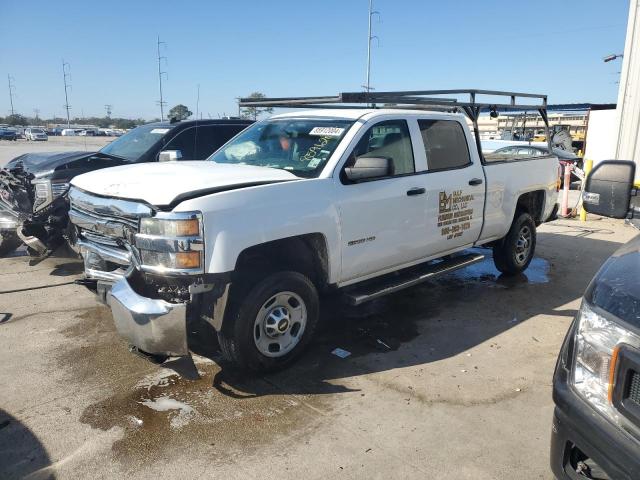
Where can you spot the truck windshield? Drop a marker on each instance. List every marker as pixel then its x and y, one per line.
pixel 301 146
pixel 131 146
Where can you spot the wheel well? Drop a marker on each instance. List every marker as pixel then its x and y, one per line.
pixel 306 254
pixel 533 204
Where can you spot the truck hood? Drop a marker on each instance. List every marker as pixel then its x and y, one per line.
pixel 168 183
pixel 615 288
pixel 43 162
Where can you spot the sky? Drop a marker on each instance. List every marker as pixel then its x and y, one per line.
pixel 300 48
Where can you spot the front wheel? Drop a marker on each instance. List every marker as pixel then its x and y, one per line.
pixel 513 254
pixel 270 326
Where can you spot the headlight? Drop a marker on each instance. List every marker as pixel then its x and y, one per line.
pixel 596 343
pixel 171 243
pixel 189 227
pixel 42 194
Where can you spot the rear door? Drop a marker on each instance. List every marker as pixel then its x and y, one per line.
pixel 455 185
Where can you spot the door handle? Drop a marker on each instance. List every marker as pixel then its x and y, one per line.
pixel 415 191
pixel 475 181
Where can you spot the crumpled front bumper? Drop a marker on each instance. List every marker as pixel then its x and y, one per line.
pixel 154 326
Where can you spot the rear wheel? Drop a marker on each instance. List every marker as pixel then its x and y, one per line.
pixel 9 241
pixel 272 324
pixel 513 254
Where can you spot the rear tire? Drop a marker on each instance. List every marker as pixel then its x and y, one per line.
pixel 9 241
pixel 272 324
pixel 513 254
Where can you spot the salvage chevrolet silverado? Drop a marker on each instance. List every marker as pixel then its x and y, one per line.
pixel 365 201
pixel 33 186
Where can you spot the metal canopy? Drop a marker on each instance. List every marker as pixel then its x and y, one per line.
pixel 472 105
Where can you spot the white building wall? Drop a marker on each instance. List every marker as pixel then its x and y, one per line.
pixel 601 135
pixel 628 138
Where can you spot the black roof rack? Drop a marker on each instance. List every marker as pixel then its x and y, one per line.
pixel 472 105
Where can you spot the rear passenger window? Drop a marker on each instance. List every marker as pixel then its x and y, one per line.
pixel 445 144
pixel 388 139
pixel 211 137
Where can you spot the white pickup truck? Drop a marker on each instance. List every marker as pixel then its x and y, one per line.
pixel 365 201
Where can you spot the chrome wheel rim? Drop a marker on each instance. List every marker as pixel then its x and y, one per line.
pixel 523 245
pixel 280 324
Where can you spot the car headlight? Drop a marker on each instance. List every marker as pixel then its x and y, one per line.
pixel 596 345
pixel 171 243
pixel 42 194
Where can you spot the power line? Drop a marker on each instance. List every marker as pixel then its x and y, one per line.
pixel 12 88
pixel 161 102
pixel 108 108
pixel 66 68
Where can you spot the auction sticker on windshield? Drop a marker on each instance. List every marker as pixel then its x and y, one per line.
pixel 326 131
pixel 160 131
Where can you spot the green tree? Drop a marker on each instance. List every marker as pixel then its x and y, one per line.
pixel 16 119
pixel 253 113
pixel 179 112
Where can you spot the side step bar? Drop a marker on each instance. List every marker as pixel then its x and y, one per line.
pixel 400 280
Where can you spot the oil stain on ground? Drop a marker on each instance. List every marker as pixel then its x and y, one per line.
pixel 158 410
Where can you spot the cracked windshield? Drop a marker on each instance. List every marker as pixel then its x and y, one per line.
pixel 302 147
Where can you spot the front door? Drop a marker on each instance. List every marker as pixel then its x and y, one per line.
pixel 382 220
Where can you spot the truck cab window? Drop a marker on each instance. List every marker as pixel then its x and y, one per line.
pixel 211 137
pixel 389 139
pixel 445 144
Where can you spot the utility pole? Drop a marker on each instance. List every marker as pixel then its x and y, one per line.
pixel 65 75
pixel 36 112
pixel 161 102
pixel 108 110
pixel 12 87
pixel 370 37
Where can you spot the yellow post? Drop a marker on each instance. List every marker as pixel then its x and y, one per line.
pixel 588 165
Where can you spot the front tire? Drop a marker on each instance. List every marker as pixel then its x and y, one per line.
pixel 272 324
pixel 513 254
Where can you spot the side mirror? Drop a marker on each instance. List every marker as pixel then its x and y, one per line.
pixel 608 188
pixel 169 155
pixel 365 168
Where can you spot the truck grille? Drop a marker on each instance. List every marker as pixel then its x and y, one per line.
pixel 106 220
pixel 634 387
pixel 105 228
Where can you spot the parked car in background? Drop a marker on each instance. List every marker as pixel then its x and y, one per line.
pixel 54 132
pixel 68 132
pixel 33 186
pixel 523 151
pixel 35 134
pixel 596 385
pixel 89 132
pixel 8 134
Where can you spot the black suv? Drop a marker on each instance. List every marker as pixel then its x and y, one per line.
pixel 33 186
pixel 596 386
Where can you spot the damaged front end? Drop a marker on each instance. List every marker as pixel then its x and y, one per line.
pixel 148 267
pixel 32 208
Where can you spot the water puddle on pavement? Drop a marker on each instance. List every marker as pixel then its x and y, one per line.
pixel 166 411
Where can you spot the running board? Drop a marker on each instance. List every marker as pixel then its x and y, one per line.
pixel 400 280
